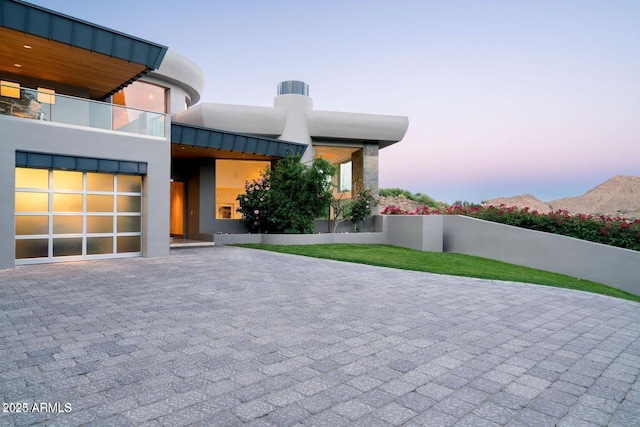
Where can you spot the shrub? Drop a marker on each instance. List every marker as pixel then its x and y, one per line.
pixel 418 197
pixel 287 198
pixel 360 207
pixel 620 232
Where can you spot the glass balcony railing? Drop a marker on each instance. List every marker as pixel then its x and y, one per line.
pixel 38 105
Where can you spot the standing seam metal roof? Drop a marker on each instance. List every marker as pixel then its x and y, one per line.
pixel 197 136
pixel 41 22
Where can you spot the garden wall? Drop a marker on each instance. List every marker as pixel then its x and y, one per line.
pixel 301 239
pixel 615 267
pixel 419 232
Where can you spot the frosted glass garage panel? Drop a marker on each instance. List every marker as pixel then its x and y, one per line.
pixel 99 182
pixel 99 224
pixel 129 203
pixel 129 184
pixel 129 244
pixel 32 178
pixel 99 203
pixel 63 202
pixel 32 248
pixel 66 180
pixel 99 245
pixel 32 224
pixel 67 224
pixel 67 246
pixel 32 202
pixel 129 224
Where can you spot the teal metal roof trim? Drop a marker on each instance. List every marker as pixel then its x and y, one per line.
pixel 41 22
pixel 25 159
pixel 196 136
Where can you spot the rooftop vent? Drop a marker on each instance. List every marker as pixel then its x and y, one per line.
pixel 293 87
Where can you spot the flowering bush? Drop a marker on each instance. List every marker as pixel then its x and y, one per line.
pixel 620 232
pixel 360 206
pixel 255 203
pixel 287 198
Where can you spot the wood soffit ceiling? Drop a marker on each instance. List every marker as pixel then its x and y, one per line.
pixel 56 62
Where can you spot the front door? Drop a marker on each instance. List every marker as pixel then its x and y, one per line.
pixel 176 216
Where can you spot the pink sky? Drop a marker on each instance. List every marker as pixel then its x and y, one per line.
pixel 503 97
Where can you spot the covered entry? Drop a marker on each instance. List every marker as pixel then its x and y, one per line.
pixel 209 168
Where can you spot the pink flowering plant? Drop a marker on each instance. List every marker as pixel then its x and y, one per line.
pixel 288 197
pixel 255 203
pixel 360 207
pixel 614 231
pixel 355 210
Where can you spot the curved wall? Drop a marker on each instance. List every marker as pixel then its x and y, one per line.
pixel 183 78
pixel 262 121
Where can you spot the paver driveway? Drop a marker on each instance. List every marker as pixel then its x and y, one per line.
pixel 231 336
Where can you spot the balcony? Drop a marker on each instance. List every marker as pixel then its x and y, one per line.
pixel 48 106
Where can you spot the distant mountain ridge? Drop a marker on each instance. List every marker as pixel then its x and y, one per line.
pixel 618 196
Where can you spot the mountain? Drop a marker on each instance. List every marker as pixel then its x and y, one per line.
pixel 522 201
pixel 618 196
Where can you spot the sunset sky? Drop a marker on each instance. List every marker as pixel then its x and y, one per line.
pixel 503 97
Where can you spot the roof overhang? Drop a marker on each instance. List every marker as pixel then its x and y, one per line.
pixel 49 46
pixel 212 139
pixel 340 127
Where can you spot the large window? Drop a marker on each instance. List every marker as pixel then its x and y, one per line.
pixel 62 215
pixel 340 157
pixel 141 96
pixel 231 177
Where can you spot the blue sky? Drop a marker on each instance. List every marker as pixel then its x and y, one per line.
pixel 503 97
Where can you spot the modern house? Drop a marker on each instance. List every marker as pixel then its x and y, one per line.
pixel 105 151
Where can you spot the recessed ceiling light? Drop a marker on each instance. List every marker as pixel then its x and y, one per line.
pixel 17 65
pixel 27 46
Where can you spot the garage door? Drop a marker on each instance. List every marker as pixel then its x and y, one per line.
pixel 72 215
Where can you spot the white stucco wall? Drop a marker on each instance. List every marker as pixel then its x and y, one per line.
pixel 182 77
pixel 261 121
pixel 419 232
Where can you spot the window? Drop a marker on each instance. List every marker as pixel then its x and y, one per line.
pixel 46 96
pixel 143 96
pixel 9 89
pixel 344 176
pixel 137 96
pixel 231 177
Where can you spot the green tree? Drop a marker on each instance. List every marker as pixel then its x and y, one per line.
pixel 287 198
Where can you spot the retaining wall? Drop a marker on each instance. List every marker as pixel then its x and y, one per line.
pixel 616 267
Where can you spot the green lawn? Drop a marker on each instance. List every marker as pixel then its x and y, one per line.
pixel 443 263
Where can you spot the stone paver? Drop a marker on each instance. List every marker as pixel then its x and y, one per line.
pixel 232 336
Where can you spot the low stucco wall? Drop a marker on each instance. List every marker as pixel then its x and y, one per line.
pixel 235 239
pixel 615 267
pixel 300 239
pixel 419 232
